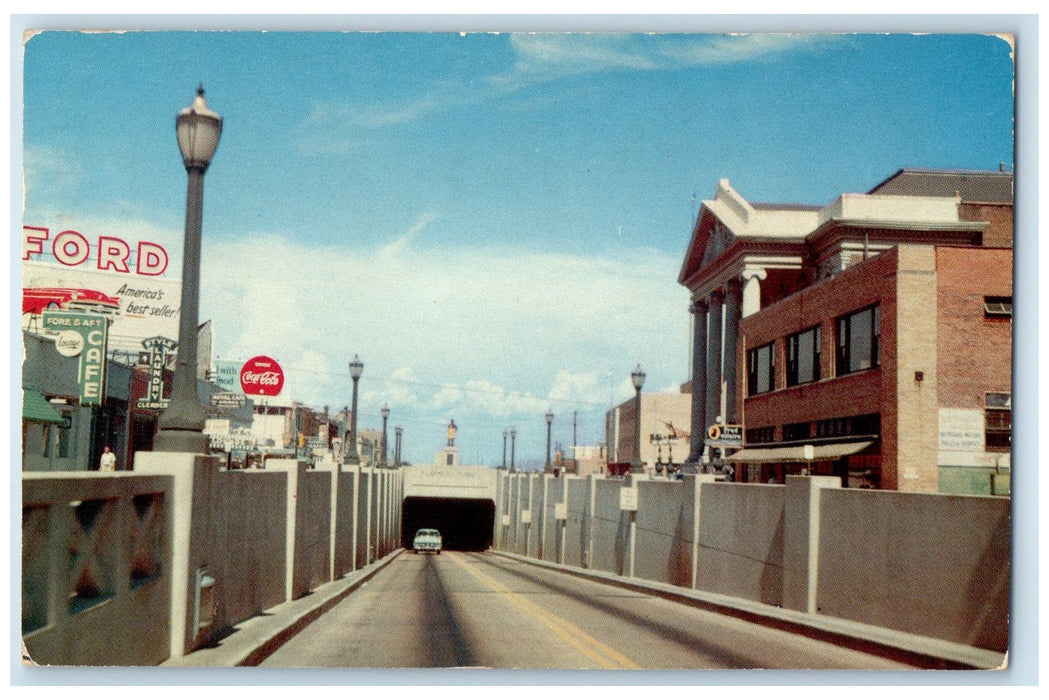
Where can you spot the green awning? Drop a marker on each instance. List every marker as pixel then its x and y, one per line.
pixel 37 409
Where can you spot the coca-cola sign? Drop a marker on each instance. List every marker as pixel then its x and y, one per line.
pixel 261 376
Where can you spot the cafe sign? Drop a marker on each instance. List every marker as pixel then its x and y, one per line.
pixel 86 335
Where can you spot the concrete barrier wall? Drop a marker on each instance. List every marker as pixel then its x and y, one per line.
pixel 363 496
pixel 535 498
pixel 610 538
pixel 577 526
pixel 250 559
pixel 146 541
pixel 663 547
pixel 741 541
pixel 312 531
pixel 344 530
pixel 96 568
pixel 929 564
pixel 551 531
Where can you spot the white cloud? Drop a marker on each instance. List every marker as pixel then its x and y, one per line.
pixel 739 48
pixel 495 331
pixel 540 58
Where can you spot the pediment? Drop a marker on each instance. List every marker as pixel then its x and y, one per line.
pixel 710 239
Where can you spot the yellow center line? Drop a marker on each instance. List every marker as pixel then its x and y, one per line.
pixel 588 646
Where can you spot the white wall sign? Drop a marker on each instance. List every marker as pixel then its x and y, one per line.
pixel 628 498
pixel 961 429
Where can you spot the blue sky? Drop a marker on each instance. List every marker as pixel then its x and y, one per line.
pixel 493 222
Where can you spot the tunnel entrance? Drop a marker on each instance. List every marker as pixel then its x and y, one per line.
pixel 466 524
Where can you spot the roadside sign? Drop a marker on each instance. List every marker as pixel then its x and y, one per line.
pixel 86 335
pixel 721 435
pixel 261 376
pixel 228 399
pixel 628 498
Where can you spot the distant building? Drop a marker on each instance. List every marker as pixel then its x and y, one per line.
pixel 664 436
pixel 869 338
pixel 587 460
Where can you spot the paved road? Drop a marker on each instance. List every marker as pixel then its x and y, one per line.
pixel 482 610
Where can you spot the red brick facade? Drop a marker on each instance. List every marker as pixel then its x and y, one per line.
pixel 937 349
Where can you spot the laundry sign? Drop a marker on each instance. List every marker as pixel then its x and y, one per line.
pixel 157 348
pixel 86 335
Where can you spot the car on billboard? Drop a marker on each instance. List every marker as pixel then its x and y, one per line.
pixel 36 300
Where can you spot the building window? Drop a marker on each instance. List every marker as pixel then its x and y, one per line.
pixel 998 421
pixel 998 307
pixel 756 436
pixel 797 431
pixel 859 337
pixel 866 425
pixel 803 357
pixel 760 366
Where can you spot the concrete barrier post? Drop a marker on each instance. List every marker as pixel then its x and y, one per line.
pixel 564 521
pixel 801 539
pixel 694 482
pixel 542 515
pixel 293 469
pixel 368 551
pixel 631 483
pixel 356 513
pixel 191 538
pixel 330 466
pixel 588 521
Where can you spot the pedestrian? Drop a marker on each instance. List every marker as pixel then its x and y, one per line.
pixel 108 463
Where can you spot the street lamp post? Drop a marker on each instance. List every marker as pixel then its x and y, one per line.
pixel 505 432
pixel 397 432
pixel 182 423
pixel 385 411
pixel 549 420
pixel 356 369
pixel 638 379
pixel 513 440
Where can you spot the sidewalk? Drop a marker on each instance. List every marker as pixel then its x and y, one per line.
pixel 253 640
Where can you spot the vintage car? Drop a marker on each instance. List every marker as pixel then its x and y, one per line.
pixel 36 300
pixel 427 540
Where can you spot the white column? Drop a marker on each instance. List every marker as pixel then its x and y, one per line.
pixel 714 353
pixel 699 381
pixel 752 290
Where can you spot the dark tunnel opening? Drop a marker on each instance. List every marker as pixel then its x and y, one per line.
pixel 465 524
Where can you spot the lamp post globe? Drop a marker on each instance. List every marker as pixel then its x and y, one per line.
pixel 637 378
pixel 197 129
pixel 356 369
pixel 549 420
pixel 385 412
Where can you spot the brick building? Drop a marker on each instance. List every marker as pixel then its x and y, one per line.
pixel 870 338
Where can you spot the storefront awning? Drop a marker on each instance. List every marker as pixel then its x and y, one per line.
pixel 796 453
pixel 37 409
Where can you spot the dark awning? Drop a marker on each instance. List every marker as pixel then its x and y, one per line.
pixel 796 453
pixel 37 409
